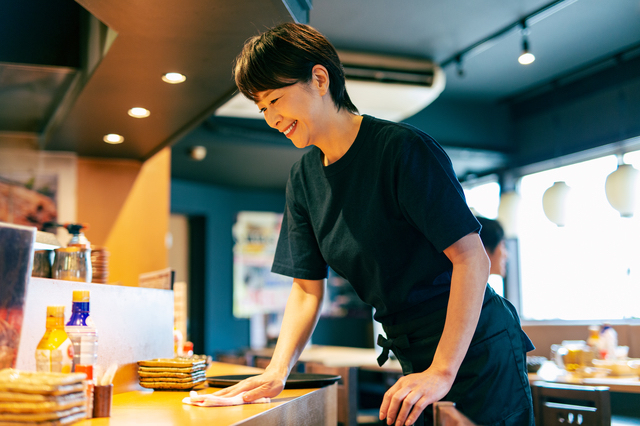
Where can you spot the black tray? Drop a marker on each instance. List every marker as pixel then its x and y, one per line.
pixel 295 380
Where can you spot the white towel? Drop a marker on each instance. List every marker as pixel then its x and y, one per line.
pixel 210 400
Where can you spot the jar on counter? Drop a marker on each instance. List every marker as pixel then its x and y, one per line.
pixel 72 264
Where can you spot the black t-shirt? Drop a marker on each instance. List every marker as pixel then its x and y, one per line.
pixel 380 216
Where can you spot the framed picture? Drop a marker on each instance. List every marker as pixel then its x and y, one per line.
pixel 37 187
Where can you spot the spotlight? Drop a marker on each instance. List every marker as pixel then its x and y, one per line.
pixel 526 57
pixel 459 68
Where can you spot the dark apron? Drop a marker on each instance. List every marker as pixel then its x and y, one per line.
pixel 491 387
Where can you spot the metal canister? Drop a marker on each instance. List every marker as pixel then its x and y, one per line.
pixel 42 260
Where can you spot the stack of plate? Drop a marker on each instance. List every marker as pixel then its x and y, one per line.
pixel 28 397
pixel 171 373
pixel 99 265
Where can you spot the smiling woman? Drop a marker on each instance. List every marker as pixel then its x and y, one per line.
pixel 380 204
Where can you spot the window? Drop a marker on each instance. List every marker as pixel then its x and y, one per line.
pixel 588 269
pixel 483 199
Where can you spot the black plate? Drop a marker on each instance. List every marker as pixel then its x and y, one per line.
pixel 295 380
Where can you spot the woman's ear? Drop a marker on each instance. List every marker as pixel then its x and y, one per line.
pixel 320 79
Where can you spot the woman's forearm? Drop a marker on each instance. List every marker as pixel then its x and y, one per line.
pixel 468 282
pixel 300 318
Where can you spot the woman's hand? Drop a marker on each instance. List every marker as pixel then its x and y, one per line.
pixel 267 384
pixel 411 394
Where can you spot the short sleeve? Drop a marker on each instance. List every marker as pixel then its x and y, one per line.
pixel 430 195
pixel 297 251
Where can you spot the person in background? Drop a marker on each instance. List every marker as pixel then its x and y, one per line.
pixel 492 235
pixel 380 204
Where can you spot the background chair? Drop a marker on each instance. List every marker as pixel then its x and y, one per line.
pixel 563 404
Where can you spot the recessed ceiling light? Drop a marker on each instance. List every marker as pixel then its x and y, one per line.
pixel 173 78
pixel 113 138
pixel 139 112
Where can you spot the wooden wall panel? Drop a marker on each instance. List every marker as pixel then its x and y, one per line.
pixel 126 204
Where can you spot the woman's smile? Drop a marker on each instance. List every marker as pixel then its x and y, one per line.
pixel 289 130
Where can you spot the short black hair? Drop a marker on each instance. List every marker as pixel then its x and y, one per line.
pixel 491 233
pixel 285 55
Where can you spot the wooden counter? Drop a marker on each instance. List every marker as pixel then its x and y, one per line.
pixel 291 407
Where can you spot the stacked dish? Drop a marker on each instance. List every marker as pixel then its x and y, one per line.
pixel 171 373
pixel 41 398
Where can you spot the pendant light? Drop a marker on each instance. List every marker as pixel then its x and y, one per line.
pixel 622 188
pixel 508 213
pixel 554 202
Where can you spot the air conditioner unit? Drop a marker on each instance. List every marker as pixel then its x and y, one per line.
pixel 388 87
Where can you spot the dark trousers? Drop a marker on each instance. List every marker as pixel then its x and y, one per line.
pixel 491 387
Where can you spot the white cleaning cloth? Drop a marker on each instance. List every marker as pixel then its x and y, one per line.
pixel 210 400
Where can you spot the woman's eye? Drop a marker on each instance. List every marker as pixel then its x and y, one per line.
pixel 273 101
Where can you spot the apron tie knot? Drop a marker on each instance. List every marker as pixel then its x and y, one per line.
pixel 395 344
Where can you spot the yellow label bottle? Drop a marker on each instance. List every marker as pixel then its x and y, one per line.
pixel 55 351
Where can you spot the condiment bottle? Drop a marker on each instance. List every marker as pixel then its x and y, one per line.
pixel 54 353
pixel 593 341
pixel 608 342
pixel 83 334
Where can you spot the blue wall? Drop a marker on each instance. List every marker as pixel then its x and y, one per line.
pixel 219 206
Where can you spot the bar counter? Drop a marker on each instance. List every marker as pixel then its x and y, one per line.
pixel 291 407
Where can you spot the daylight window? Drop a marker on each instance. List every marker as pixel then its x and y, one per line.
pixel 590 268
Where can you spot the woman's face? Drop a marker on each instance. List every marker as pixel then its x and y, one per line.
pixel 499 260
pixel 293 110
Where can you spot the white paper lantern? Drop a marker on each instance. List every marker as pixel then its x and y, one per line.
pixel 621 188
pixel 554 202
pixel 508 213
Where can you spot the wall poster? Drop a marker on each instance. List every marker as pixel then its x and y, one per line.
pixel 256 290
pixel 37 187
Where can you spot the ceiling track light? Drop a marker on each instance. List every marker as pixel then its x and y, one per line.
pixel 526 57
pixel 532 18
pixel 459 68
